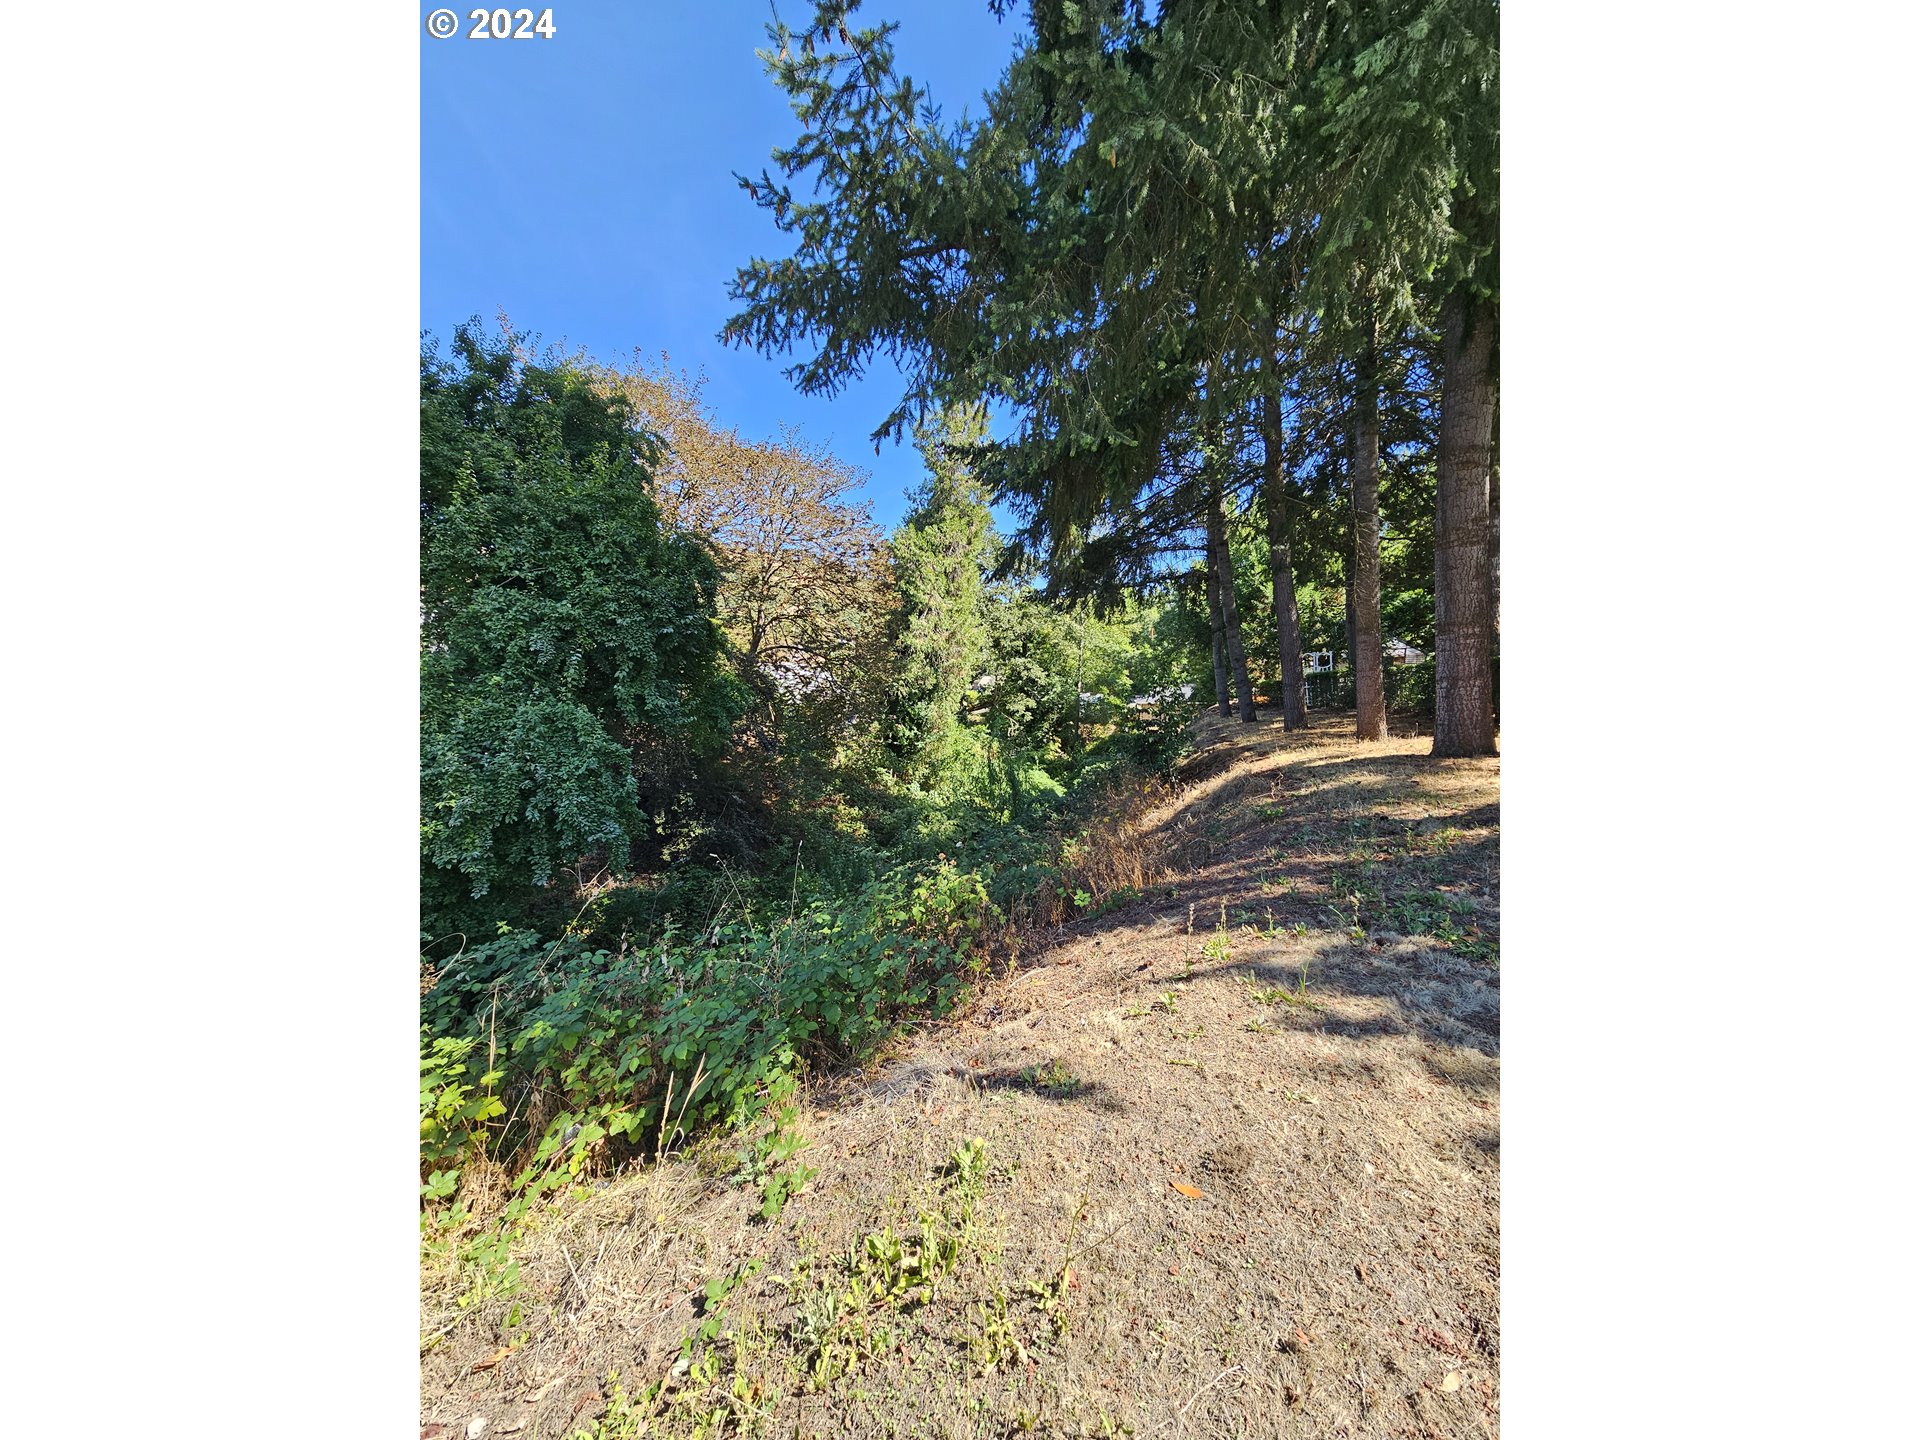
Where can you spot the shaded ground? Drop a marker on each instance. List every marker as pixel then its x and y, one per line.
pixel 1302 1030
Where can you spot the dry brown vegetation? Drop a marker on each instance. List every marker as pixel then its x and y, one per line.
pixel 1239 1177
pixel 807 586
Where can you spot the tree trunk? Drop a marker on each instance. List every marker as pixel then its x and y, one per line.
pixel 1463 532
pixel 1219 630
pixel 1286 611
pixel 1369 682
pixel 1230 609
pixel 1346 591
pixel 1493 566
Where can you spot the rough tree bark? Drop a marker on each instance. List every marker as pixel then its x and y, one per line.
pixel 1286 611
pixel 1219 630
pixel 1346 590
pixel 1369 680
pixel 1463 531
pixel 1493 558
pixel 1230 607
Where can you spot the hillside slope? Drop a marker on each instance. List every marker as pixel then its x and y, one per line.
pixel 1239 1173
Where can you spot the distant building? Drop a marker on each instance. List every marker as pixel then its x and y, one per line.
pixel 1162 697
pixel 1396 652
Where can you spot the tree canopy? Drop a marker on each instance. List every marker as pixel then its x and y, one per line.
pixel 569 657
pixel 1158 215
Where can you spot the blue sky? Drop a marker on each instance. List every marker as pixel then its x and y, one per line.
pixel 584 185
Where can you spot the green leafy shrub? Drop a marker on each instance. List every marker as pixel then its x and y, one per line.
pixel 455 1106
pixel 765 1163
pixel 569 667
pixel 634 1049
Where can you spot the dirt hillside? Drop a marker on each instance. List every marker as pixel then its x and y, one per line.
pixel 1223 1161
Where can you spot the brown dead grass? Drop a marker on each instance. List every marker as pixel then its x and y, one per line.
pixel 1338 1274
pixel 1129 847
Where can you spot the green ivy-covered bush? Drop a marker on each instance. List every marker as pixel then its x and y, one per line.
pixel 569 665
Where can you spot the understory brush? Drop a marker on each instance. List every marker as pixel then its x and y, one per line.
pixel 551 1056
pixel 545 1061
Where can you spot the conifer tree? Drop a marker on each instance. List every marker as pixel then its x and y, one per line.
pixel 940 555
pixel 1286 610
pixel 1140 190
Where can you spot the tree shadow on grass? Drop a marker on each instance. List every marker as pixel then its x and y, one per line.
pixel 1038 1080
pixel 1277 866
pixel 1304 847
pixel 1046 1081
pixel 1441 997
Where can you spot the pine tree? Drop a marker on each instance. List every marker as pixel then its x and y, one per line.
pixel 940 554
pixel 1369 680
pixel 1120 223
pixel 1286 610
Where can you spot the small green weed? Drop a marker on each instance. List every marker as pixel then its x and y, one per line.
pixel 715 1296
pixel 1355 881
pixel 1115 899
pixel 1219 947
pixel 620 1421
pixel 1053 1079
pixel 1280 995
pixel 995 1342
pixel 767 1163
pixel 967 1163
pixel 847 1319
pixel 1447 918
pixel 1277 932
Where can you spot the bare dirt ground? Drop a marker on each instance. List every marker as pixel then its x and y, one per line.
pixel 1240 1172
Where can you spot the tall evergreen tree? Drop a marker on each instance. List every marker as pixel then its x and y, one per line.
pixel 940 555
pixel 1222 552
pixel 1222 692
pixel 1464 573
pixel 1369 681
pixel 1408 107
pixel 1121 220
pixel 1286 610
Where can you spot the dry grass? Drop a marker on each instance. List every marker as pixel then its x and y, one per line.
pixel 1125 851
pixel 1336 1275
